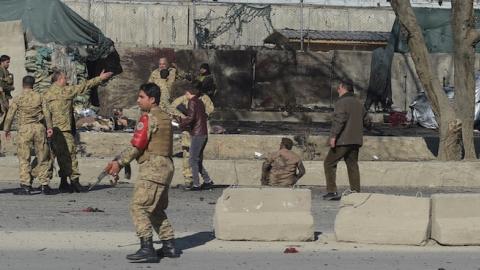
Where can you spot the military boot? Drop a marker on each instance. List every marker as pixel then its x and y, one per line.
pixel 168 249
pixel 146 253
pixel 64 186
pixel 23 190
pixel 76 187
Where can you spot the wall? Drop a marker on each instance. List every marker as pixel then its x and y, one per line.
pixel 269 79
pixel 170 24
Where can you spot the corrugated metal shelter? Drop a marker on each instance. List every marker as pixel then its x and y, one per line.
pixel 315 40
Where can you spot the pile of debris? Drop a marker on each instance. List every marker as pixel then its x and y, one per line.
pixel 88 120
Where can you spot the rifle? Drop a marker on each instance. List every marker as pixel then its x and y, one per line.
pixel 104 173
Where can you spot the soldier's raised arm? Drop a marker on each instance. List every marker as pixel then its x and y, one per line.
pixel 86 85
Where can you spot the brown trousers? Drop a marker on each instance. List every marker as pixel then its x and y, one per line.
pixel 350 154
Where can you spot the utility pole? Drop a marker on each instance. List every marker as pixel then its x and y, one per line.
pixel 301 25
pixel 194 36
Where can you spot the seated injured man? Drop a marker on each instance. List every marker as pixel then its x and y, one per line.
pixel 282 168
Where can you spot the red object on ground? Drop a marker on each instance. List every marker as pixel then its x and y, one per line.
pixel 91 209
pixel 290 250
pixel 398 118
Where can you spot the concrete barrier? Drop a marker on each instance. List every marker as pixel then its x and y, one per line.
pixel 248 172
pixel 264 214
pixel 383 219
pixel 456 219
pixel 236 146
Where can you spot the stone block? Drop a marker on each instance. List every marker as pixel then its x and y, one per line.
pixel 456 219
pixel 383 219
pixel 264 214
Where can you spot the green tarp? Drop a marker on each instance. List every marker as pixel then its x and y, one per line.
pixel 53 21
pixel 437 30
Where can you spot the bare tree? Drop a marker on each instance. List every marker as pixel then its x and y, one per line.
pixel 455 120
pixel 465 38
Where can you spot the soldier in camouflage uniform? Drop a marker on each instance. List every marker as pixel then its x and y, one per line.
pixel 176 109
pixel 164 77
pixel 6 86
pixel 280 168
pixel 151 146
pixel 33 115
pixel 6 78
pixel 59 98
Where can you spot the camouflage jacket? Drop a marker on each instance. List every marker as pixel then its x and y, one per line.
pixel 164 84
pixel 6 80
pixel 183 100
pixel 60 101
pixel 31 108
pixel 131 152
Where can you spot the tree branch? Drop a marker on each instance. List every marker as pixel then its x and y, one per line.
pixel 473 36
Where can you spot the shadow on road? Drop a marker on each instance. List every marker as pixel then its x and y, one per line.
pixel 194 240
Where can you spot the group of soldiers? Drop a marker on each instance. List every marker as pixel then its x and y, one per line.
pixel 44 123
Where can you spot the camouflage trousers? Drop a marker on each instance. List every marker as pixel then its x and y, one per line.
pixel 187 170
pixel 28 135
pixel 65 150
pixel 150 198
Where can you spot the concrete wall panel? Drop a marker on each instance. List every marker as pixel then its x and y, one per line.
pixel 127 23
pixel 169 24
pixel 383 219
pixel 328 19
pixel 456 219
pixel 370 20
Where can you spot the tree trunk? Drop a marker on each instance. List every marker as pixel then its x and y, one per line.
pixel 465 38
pixel 450 131
pixel 450 147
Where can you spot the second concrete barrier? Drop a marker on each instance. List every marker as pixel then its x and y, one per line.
pixel 456 219
pixel 383 219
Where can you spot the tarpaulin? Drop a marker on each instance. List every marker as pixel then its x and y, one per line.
pixel 51 21
pixel 436 26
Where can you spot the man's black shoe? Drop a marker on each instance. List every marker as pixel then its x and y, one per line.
pixel 208 185
pixel 64 186
pixel 146 253
pixel 23 190
pixel 168 249
pixel 332 196
pixel 76 187
pixel 46 190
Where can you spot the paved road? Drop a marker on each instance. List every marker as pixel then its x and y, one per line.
pixel 52 232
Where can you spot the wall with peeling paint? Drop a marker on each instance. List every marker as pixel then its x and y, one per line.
pixel 206 25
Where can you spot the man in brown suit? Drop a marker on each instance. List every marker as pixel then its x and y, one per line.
pixel 346 138
pixel 280 168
